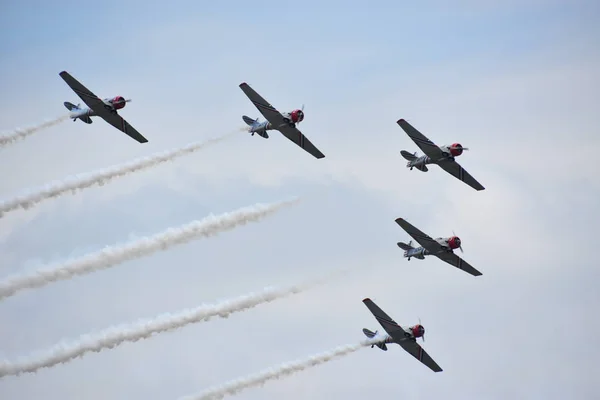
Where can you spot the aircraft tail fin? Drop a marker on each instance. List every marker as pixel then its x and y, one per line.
pixel 371 335
pixel 255 126
pixel 73 107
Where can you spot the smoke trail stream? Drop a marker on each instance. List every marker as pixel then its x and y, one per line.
pixel 286 369
pixel 19 134
pixel 100 177
pixel 113 255
pixel 112 337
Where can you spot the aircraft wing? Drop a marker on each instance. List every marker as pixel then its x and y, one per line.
pixel 458 262
pixel 119 122
pixel 276 119
pixel 423 239
pixel 454 168
pixel 266 109
pixel 89 98
pixel 390 326
pixel 427 146
pixel 96 104
pixel 297 137
pixel 417 352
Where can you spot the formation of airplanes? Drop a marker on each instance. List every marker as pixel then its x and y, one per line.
pixel 286 123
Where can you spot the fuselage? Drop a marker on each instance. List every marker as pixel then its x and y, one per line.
pixel 110 104
pixel 260 128
pixel 410 333
pixel 448 154
pixel 447 245
pixel 289 119
pixel 82 112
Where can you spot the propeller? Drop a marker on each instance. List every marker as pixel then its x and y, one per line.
pixel 458 148
pixel 460 247
pixel 422 337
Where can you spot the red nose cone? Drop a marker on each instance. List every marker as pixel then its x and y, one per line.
pixel 456 149
pixel 418 330
pixel 118 102
pixel 297 116
pixel 454 242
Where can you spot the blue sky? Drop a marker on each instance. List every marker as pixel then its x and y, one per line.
pixel 516 82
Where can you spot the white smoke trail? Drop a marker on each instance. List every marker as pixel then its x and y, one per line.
pixel 260 378
pixel 100 177
pixel 19 134
pixel 64 352
pixel 112 255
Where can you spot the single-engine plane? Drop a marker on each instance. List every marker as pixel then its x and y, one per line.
pixel 284 122
pixel 444 156
pixel 442 248
pixel 406 337
pixel 103 108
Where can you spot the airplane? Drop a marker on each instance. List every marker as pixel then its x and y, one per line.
pixel 103 108
pixel 405 337
pixel 441 155
pixel 442 248
pixel 283 122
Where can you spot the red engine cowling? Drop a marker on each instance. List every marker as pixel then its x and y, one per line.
pixel 297 116
pixel 454 242
pixel 118 102
pixel 456 149
pixel 418 330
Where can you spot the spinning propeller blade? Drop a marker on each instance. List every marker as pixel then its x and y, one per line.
pixel 460 247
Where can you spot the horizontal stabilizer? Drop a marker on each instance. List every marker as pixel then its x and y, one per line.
pixel 248 120
pixel 86 119
pixel 405 246
pixel 371 335
pixel 408 156
pixel 368 333
pixel 70 106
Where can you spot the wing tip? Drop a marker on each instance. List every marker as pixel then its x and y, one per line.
pixel 63 73
pixel 401 121
pixel 243 84
pixel 398 220
pixel 366 299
